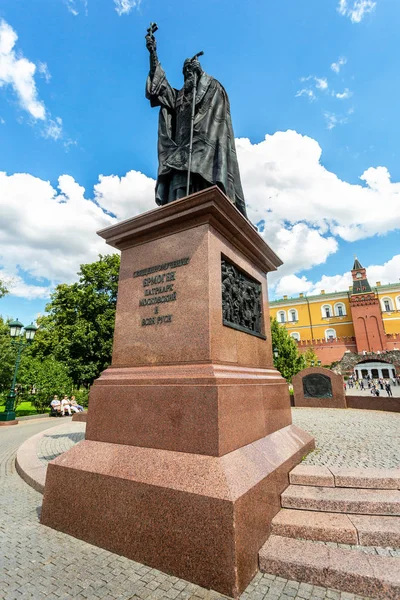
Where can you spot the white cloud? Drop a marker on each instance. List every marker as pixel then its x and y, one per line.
pixel 2 121
pixel 125 196
pixel 306 209
pixel 72 6
pixel 336 66
pixel 344 95
pixel 292 285
pixel 43 70
pixel 321 83
pixel 332 120
pixel 306 92
pixel 18 72
pixel 53 129
pixel 356 9
pixel 124 7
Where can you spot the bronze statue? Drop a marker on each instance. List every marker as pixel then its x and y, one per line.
pixel 196 145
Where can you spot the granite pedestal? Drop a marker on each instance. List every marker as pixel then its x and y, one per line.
pixel 189 437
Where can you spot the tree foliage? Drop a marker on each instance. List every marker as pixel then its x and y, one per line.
pixel 7 357
pixel 3 289
pixel 45 377
pixel 289 361
pixel 78 329
pixel 310 358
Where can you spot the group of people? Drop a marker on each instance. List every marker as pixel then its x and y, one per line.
pixel 376 386
pixel 68 405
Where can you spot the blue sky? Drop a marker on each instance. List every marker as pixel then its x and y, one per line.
pixel 318 78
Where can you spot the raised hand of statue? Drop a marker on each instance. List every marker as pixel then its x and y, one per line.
pixel 151 43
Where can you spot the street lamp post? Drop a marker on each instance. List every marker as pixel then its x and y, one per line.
pixel 17 339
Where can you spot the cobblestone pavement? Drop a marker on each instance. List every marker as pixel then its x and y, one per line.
pixel 39 563
pixel 351 438
pixel 344 438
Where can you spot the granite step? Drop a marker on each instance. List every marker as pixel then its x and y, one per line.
pixel 342 500
pixel 368 478
pixel 314 525
pixel 346 570
pixel 364 530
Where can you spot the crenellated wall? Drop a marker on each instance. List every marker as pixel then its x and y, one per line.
pixel 329 351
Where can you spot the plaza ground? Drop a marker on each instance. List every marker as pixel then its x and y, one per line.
pixel 38 562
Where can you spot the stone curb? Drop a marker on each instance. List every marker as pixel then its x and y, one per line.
pixel 29 467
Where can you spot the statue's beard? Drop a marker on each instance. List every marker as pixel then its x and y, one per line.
pixel 188 83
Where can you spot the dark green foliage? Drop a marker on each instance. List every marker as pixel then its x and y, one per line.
pixel 78 329
pixel 289 361
pixel 45 377
pixel 7 359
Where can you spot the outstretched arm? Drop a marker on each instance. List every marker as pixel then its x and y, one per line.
pixel 151 46
pixel 158 90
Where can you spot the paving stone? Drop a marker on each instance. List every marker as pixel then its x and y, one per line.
pixel 32 554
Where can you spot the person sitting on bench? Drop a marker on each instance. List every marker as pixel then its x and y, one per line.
pixel 65 406
pixel 55 404
pixel 74 405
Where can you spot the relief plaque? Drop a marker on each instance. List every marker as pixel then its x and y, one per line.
pixel 317 385
pixel 241 300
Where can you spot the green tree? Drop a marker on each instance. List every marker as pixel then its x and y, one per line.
pixel 289 361
pixel 45 377
pixel 78 329
pixel 7 358
pixel 3 289
pixel 310 358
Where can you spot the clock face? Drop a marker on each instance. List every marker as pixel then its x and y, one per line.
pixel 358 275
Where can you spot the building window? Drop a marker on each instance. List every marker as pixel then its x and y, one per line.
pixel 281 316
pixel 387 304
pixel 295 336
pixel 326 310
pixel 340 309
pixel 330 334
pixel 398 302
pixel 293 315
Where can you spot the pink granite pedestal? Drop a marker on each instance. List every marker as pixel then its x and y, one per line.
pixel 189 437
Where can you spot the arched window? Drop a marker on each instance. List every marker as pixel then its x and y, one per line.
pixel 398 302
pixel 387 304
pixel 295 336
pixel 281 316
pixel 326 311
pixel 293 314
pixel 330 334
pixel 340 309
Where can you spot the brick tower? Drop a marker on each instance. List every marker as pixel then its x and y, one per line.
pixel 366 313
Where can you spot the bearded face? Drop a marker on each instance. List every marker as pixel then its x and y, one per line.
pixel 190 67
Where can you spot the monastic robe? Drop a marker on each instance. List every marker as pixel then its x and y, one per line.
pixel 214 160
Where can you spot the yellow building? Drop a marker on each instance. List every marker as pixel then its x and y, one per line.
pixel 336 317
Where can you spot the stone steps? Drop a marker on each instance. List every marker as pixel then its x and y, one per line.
pixel 342 500
pixel 318 564
pixel 369 478
pixel 364 530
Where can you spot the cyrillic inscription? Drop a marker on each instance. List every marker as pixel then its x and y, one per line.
pixel 159 289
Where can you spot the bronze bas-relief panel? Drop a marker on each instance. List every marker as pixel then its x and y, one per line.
pixel 241 300
pixel 317 385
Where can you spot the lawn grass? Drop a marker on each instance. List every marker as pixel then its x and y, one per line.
pixel 24 409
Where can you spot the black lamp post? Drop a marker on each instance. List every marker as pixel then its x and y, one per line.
pixel 319 363
pixel 276 352
pixel 312 363
pixel 17 339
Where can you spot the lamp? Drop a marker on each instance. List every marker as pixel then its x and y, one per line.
pixel 276 352
pixel 17 339
pixel 15 328
pixel 30 331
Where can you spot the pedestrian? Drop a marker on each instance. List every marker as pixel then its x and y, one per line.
pixel 388 389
